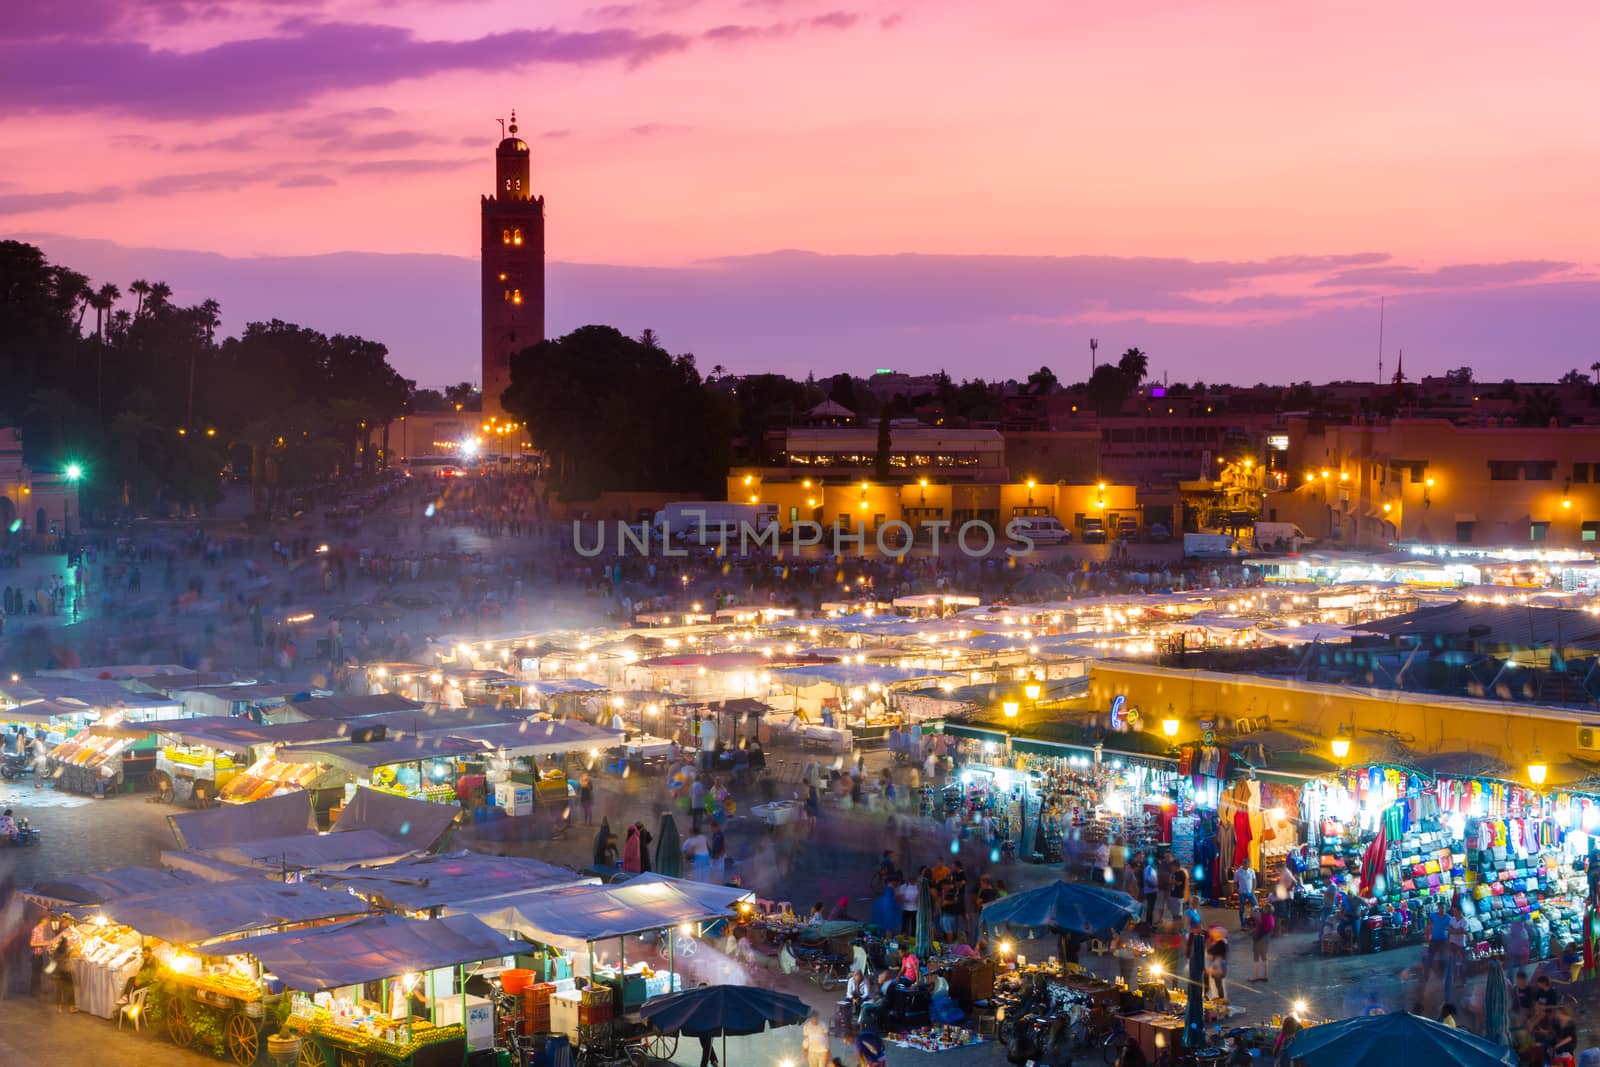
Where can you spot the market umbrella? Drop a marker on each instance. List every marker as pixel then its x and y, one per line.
pixel 1064 908
pixel 1383 1040
pixel 720 1010
pixel 669 847
pixel 1496 1016
pixel 925 920
pixel 600 838
pixel 1194 1010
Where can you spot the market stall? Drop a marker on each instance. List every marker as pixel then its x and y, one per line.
pixel 1395 843
pixel 379 990
pixel 583 923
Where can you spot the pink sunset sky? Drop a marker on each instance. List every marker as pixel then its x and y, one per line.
pixel 794 185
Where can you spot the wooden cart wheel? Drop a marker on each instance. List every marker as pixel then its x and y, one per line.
pixel 311 1054
pixel 244 1039
pixel 661 1046
pixel 179 1026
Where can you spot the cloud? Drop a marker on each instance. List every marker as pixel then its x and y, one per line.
pixel 307 181
pixel 27 203
pixel 990 316
pixel 410 166
pixel 735 34
pixel 834 20
pixel 268 74
pixel 1456 276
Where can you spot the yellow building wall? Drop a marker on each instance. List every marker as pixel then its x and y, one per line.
pixel 843 502
pixel 1426 724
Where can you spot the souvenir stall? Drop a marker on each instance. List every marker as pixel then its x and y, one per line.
pixel 1406 844
pixel 149 948
pixel 379 989
pixel 1094 796
pixel 621 940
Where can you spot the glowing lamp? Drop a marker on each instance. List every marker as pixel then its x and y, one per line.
pixel 1169 727
pixel 1010 707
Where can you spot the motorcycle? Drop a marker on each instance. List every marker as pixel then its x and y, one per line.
pixel 16 765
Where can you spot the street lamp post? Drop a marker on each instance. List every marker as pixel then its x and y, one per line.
pixel 74 474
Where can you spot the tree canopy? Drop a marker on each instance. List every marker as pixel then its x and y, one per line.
pixel 154 406
pixel 612 412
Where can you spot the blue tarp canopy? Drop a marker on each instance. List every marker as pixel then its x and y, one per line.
pixel 360 759
pixel 370 949
pixel 194 914
pixel 1064 908
pixel 231 824
pixel 305 852
pixel 571 918
pixel 98 887
pixel 852 674
pixel 1382 1040
pixel 418 825
pixel 235 734
pixel 453 879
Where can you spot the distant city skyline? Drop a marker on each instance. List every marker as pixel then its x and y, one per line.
pixel 1230 187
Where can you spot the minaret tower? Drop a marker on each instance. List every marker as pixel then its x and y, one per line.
pixel 513 268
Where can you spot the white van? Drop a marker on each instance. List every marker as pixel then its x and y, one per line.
pixel 1043 529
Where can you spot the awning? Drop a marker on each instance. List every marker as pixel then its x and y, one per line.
pixel 370 949
pixel 191 915
pixel 416 824
pixel 453 879
pixel 100 887
pixel 852 674
pixel 289 813
pixel 572 918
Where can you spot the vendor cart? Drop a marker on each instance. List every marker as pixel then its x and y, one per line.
pixel 324 1043
pixel 204 1008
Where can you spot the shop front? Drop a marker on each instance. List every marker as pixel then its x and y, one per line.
pixel 1393 845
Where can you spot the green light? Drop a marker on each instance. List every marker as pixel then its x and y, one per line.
pixel 74 472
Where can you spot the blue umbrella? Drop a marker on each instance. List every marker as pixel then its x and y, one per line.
pixel 1064 908
pixel 720 1010
pixel 1384 1040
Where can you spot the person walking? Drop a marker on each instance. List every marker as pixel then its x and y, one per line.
pixel 814 1041
pixel 906 895
pixel 1244 882
pixel 586 797
pixel 1266 922
pixel 1152 889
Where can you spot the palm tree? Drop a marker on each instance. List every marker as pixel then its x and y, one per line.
pixel 139 288
pixel 160 295
pixel 1135 364
pixel 104 297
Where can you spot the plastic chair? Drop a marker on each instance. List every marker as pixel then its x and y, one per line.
pixel 134 1009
